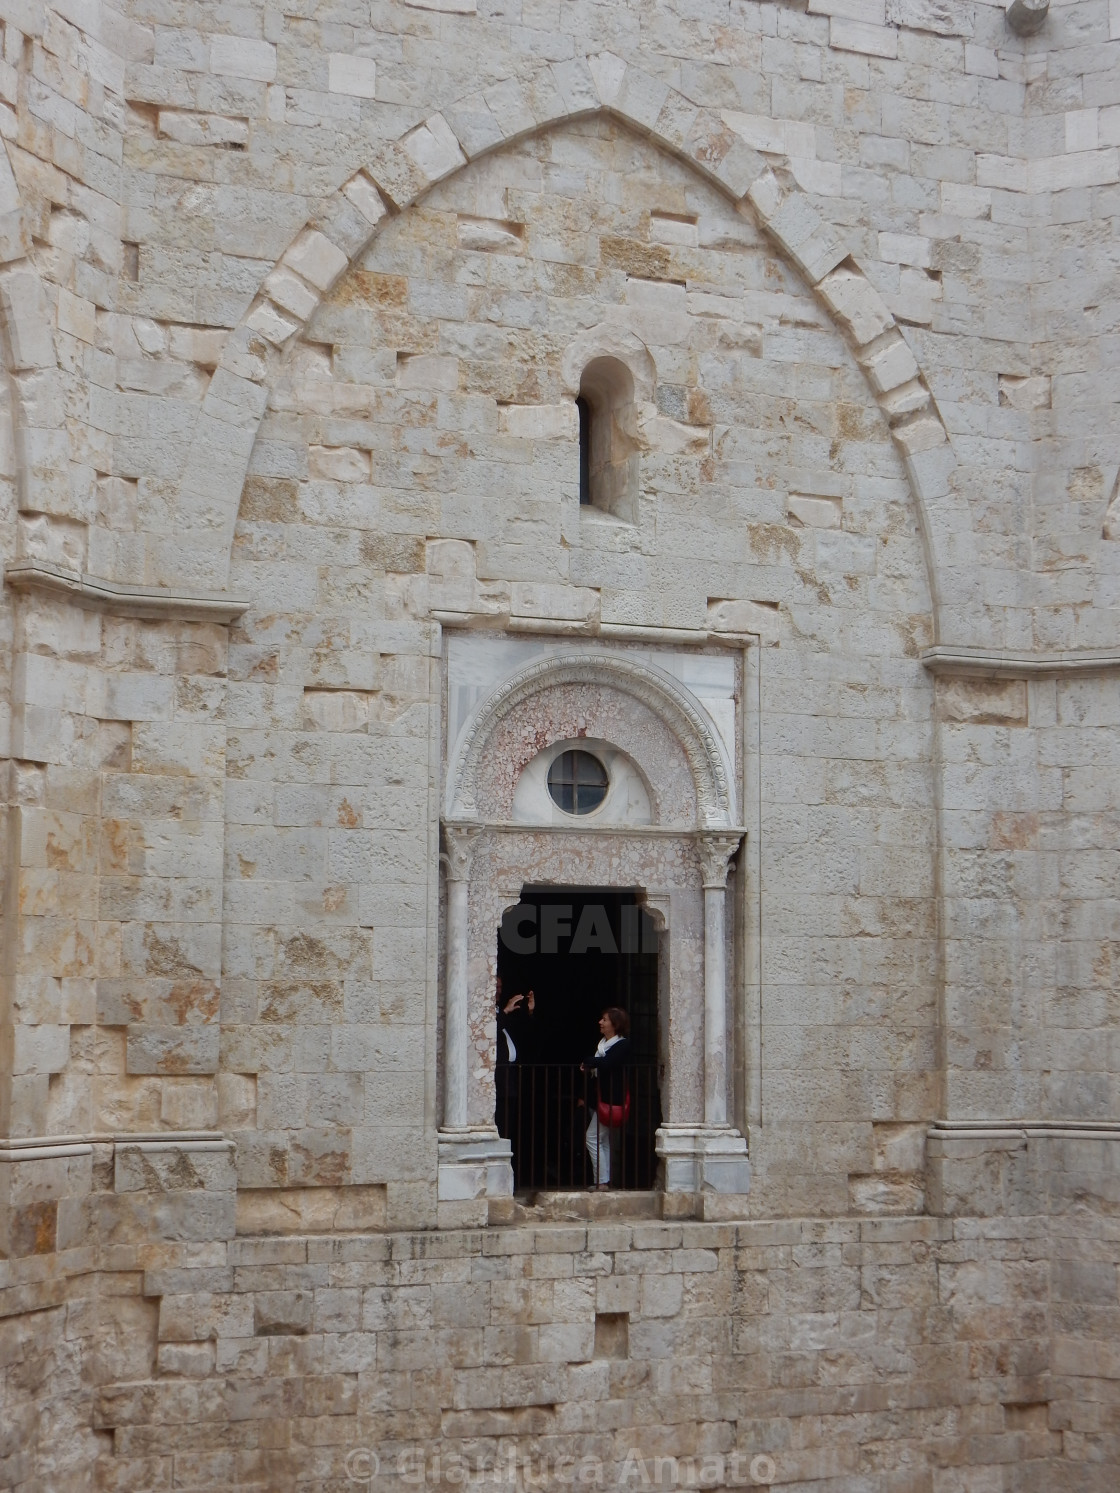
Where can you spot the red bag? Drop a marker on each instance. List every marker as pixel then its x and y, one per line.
pixel 613 1115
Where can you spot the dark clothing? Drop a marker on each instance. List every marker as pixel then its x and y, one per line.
pixel 519 1024
pixel 610 1069
pixel 513 1108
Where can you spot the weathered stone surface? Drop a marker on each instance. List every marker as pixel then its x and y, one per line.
pixel 296 309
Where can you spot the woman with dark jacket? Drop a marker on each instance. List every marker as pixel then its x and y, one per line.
pixel 609 1063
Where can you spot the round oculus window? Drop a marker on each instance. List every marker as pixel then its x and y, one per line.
pixel 577 782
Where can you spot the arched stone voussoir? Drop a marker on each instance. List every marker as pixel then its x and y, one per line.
pixel 40 432
pixel 402 171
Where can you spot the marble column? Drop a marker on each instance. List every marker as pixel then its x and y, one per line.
pixel 460 841
pixel 716 851
pixel 475 1163
pixel 705 1165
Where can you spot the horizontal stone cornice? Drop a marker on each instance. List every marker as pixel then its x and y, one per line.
pixel 1017 663
pixel 57 1147
pixel 95 593
pixel 1021 1130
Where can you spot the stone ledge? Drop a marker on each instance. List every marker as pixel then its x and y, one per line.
pixel 1025 1129
pixel 687 637
pixel 44 1147
pixel 96 594
pixel 944 659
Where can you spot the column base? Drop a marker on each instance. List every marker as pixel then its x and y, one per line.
pixel 704 1159
pixel 475 1165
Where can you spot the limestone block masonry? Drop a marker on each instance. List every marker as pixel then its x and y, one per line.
pixel 316 323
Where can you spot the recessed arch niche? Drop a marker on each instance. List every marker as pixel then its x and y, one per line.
pixel 671 836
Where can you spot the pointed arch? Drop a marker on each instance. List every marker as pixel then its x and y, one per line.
pixel 403 170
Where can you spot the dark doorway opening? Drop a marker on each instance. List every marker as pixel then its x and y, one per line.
pixel 580 950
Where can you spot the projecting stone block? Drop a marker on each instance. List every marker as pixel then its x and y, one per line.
pixel 890 364
pixel 315 258
pixel 857 303
pixel 271 323
pixel 290 292
pixel 1025 17
pixel 434 148
pixel 173 1166
pixel 362 193
pixel 943 17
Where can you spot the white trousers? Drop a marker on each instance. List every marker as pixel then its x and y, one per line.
pixel 599 1149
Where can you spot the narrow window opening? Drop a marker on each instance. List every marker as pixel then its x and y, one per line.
pixel 583 409
pixel 608 446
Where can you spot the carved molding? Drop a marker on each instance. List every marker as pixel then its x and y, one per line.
pixel 461 841
pixel 715 857
pixel 645 683
pixel 95 594
pixel 997 1130
pixel 21 1149
pixel 1017 663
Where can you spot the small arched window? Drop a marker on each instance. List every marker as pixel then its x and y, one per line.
pixel 583 410
pixel 608 450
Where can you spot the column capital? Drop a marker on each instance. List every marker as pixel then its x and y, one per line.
pixel 461 841
pixel 716 848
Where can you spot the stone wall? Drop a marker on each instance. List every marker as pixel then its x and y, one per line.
pixel 918 1354
pixel 291 306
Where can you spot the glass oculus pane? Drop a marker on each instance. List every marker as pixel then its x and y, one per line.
pixel 577 782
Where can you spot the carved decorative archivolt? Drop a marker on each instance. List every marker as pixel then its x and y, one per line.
pixel 635 677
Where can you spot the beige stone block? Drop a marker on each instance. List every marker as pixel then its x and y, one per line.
pixel 338 464
pixel 186 1360
pixel 291 293
pixel 857 36
pixel 361 192
pixel 352 75
pixel 983 701
pixel 889 364
pixel 540 422
pixel 271 323
pixel 237 1100
pixel 427 371
pixel 753 618
pixel 566 603
pixel 77 316
pixel 188 1104
pixel 434 148
pixel 815 512
pixel 316 258
pixel 243 57
pixel 187 128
